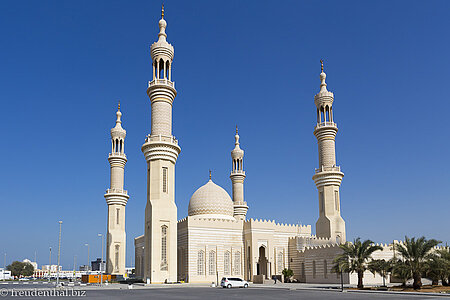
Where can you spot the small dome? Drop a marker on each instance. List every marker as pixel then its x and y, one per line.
pixel 211 201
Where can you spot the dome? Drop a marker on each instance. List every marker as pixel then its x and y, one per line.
pixel 211 201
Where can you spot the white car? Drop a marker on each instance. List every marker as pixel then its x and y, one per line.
pixel 229 282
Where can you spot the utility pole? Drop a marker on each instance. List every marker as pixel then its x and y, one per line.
pixel 50 264
pixel 59 254
pixel 88 262
pixel 74 267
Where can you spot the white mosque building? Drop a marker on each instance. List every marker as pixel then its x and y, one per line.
pixel 216 239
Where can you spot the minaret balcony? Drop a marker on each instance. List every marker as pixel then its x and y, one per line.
pixel 161 82
pixel 117 191
pixel 161 138
pixel 326 124
pixel 238 172
pixel 328 169
pixel 115 154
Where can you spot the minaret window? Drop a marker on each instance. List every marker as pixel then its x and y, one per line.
pixel 336 200
pixel 161 69
pixel 164 248
pixel 116 258
pixel 117 215
pixel 164 180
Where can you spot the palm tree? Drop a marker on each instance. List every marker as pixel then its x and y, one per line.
pixel 381 267
pixel 401 271
pixel 415 254
pixel 355 258
pixel 445 256
pixel 435 269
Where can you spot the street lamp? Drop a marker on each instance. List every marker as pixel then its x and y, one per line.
pixel 88 259
pixel 50 265
pixel 101 262
pixel 59 254
pixel 4 266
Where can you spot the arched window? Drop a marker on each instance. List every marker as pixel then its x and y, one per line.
pixel 280 264
pixel 325 269
pixel 201 262
pixel 237 263
pixel 164 248
pixel 161 69
pixel 212 262
pixel 167 69
pixel 226 263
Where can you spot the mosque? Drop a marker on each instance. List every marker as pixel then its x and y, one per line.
pixel 216 239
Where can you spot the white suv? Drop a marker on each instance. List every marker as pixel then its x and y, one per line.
pixel 229 282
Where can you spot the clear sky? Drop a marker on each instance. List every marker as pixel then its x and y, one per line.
pixel 65 64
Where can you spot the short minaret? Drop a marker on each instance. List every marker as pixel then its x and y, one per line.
pixel 237 178
pixel 116 198
pixel 161 152
pixel 328 176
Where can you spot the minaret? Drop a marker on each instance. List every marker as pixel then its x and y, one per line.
pixel 237 177
pixel 161 152
pixel 328 176
pixel 116 198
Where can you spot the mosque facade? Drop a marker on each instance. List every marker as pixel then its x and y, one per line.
pixel 216 239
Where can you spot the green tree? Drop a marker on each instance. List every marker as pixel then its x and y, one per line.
pixel 401 271
pixel 355 258
pixel 381 267
pixel 415 254
pixel 18 269
pixel 445 257
pixel 287 273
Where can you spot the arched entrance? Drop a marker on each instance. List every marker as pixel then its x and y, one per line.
pixel 261 266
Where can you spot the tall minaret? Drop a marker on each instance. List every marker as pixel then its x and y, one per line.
pixel 116 198
pixel 328 176
pixel 237 178
pixel 161 152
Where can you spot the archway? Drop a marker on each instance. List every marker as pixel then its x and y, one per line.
pixel 261 266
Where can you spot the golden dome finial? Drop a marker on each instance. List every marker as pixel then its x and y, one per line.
pixel 162 11
pixel 210 174
pixel 118 107
pixel 321 65
pixel 236 129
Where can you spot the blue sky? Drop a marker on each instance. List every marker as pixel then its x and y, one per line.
pixel 65 64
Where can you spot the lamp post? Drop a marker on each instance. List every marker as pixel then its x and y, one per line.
pixel 88 259
pixel 101 262
pixel 59 254
pixel 50 264
pixel 4 266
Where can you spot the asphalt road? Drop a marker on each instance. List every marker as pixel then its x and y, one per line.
pixel 187 293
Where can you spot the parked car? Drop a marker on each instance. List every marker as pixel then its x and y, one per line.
pixel 229 282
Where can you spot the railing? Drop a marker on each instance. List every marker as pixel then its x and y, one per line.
pixel 161 81
pixel 114 191
pixel 161 138
pixel 325 169
pixel 118 154
pixel 323 124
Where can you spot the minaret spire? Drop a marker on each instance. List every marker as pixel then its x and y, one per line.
pixel 161 153
pixel 328 176
pixel 237 177
pixel 116 198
